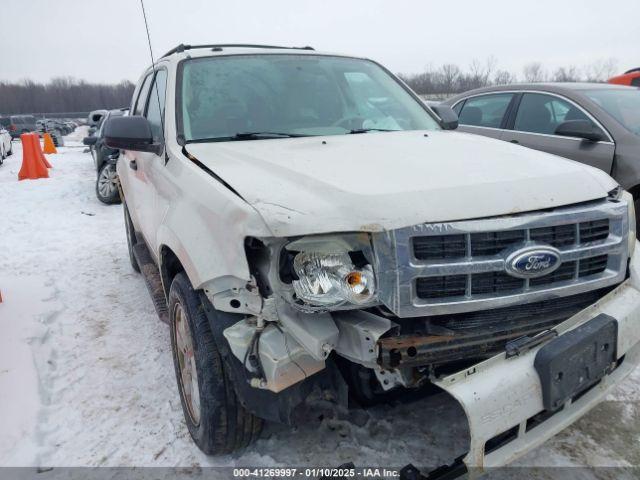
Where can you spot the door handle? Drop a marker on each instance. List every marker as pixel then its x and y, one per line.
pixel 514 141
pixel 133 165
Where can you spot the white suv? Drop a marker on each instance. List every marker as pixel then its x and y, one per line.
pixel 6 148
pixel 308 227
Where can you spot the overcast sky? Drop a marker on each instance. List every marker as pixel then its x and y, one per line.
pixel 105 40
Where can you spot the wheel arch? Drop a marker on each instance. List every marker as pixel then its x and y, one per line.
pixel 169 266
pixel 172 257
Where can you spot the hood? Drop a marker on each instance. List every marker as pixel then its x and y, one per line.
pixel 385 180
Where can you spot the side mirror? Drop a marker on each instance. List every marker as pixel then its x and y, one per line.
pixel 130 133
pixel 580 129
pixel 448 117
pixel 89 140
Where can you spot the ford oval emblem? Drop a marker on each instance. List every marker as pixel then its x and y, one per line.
pixel 532 262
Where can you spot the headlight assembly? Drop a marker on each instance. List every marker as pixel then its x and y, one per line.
pixel 331 280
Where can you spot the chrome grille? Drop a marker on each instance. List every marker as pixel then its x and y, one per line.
pixel 492 243
pixel 433 269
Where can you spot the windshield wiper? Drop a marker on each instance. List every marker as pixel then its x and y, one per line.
pixel 365 130
pixel 258 135
pixel 248 136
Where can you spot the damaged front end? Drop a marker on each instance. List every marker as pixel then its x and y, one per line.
pixel 454 305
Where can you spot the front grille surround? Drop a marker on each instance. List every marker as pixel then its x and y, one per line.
pixel 591 239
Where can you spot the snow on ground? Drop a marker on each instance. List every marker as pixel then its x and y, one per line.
pixel 86 376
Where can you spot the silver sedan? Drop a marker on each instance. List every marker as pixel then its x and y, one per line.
pixel 592 123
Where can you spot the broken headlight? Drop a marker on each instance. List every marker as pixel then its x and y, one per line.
pixel 331 279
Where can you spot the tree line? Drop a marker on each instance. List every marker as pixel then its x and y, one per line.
pixel 62 95
pixel 450 79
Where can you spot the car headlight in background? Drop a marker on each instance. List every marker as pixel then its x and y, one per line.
pixel 331 279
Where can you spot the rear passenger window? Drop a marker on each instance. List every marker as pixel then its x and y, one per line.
pixel 540 113
pixel 141 101
pixel 486 110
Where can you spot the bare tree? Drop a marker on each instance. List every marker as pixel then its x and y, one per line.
pixel 566 74
pixel 601 70
pixel 534 72
pixel 449 75
pixel 479 74
pixel 504 77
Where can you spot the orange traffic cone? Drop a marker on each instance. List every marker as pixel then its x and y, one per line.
pixel 49 147
pixel 32 166
pixel 40 153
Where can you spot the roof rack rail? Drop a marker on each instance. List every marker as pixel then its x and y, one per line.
pixel 181 48
pixel 633 70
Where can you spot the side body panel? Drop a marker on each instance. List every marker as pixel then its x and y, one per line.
pixel 179 205
pixel 595 154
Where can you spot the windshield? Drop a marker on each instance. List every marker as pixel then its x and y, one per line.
pixel 621 104
pixel 292 95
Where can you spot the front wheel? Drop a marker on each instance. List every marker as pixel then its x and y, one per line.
pixel 216 420
pixel 107 184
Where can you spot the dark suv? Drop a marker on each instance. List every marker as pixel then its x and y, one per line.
pixel 105 159
pixel 18 124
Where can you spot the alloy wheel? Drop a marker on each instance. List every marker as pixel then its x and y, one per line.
pixel 108 181
pixel 187 363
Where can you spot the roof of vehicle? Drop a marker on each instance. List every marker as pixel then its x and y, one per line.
pixel 566 88
pixel 197 51
pixel 220 47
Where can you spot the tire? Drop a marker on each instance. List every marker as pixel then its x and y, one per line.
pixel 10 152
pixel 216 420
pixel 107 184
pixel 131 238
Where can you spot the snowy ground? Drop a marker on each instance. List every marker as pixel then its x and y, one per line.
pixel 86 377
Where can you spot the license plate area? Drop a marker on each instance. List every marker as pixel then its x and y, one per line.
pixel 576 360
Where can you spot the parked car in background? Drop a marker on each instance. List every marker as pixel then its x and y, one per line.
pixel 19 124
pixel 593 123
pixel 95 116
pixel 319 233
pixel 105 159
pixel 630 78
pixel 53 128
pixel 6 148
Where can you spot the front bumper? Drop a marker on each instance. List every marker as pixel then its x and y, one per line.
pixel 502 397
